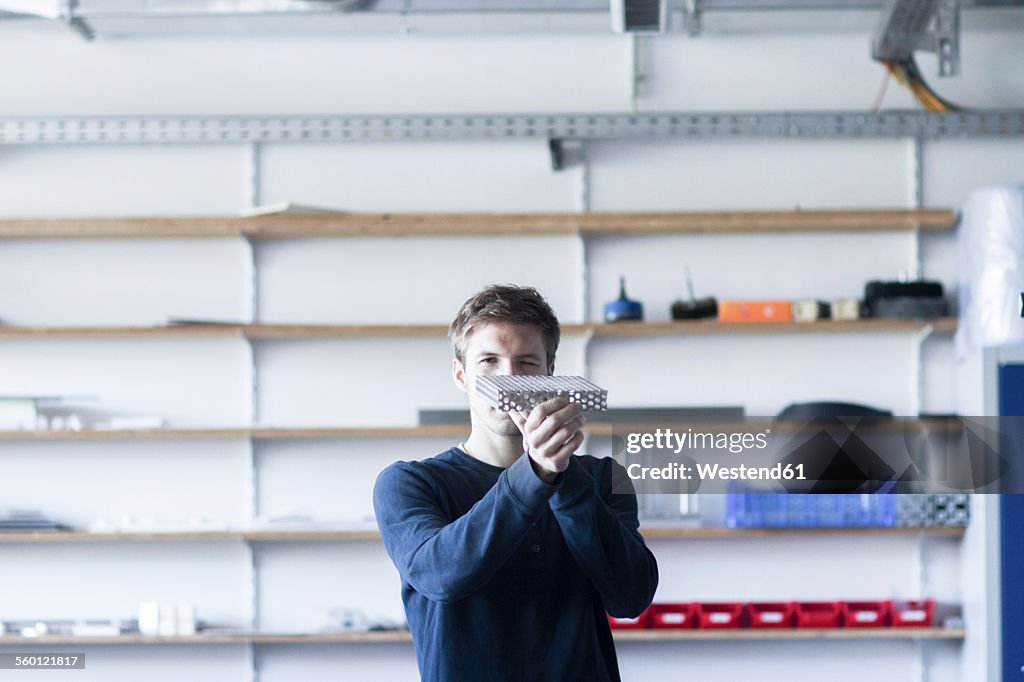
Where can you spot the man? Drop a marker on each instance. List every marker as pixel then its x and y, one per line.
pixel 510 547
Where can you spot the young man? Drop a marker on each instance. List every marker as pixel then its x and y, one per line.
pixel 511 548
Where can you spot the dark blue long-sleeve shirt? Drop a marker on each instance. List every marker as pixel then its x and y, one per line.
pixel 506 577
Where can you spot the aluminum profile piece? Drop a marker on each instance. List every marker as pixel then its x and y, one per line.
pixel 915 510
pixel 519 392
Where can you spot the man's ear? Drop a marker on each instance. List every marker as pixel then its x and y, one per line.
pixel 551 369
pixel 459 375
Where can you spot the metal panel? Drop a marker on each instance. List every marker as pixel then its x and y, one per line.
pixel 1011 403
pixel 581 126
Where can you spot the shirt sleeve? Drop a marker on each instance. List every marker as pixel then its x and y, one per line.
pixel 601 529
pixel 447 559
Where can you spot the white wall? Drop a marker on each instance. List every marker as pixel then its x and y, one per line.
pixel 197 381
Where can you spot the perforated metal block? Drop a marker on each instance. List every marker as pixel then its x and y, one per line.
pixel 524 392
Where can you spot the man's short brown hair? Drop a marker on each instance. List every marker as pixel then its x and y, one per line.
pixel 505 303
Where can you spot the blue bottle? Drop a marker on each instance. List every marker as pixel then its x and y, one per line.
pixel 623 309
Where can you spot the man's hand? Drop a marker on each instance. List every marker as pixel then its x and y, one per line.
pixel 551 433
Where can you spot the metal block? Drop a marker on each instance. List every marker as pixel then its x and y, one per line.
pixel 519 392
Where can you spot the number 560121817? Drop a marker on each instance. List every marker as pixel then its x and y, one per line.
pixel 15 661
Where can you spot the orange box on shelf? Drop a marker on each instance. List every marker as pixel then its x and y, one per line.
pixel 755 311
pixel 771 614
pixel 680 615
pixel 638 623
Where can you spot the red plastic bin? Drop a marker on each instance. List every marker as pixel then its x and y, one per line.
pixel 679 615
pixel 913 614
pixel 866 614
pixel 819 614
pixel 720 615
pixel 771 614
pixel 638 623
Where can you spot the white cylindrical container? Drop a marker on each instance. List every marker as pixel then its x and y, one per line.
pixel 168 620
pixel 149 618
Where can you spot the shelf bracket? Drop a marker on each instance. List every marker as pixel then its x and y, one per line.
pixel 585 369
pixel 909 25
pixel 584 278
pixel 75 23
pixel 917 178
pixel 565 153
pixel 692 17
pixel 252 175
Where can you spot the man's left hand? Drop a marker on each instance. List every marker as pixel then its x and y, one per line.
pixel 551 434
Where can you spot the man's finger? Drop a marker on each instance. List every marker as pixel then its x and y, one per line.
pixel 518 418
pixel 541 412
pixel 565 452
pixel 553 422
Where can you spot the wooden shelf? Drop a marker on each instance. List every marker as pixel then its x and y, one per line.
pixel 259 433
pixel 595 224
pixel 362 534
pixel 697 327
pixel 429 431
pixel 942 325
pixel 383 637
pixel 792 634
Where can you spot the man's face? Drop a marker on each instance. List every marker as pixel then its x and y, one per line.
pixel 499 348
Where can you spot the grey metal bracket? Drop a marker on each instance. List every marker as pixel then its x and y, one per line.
pixel 691 17
pixel 909 25
pixel 565 153
pixel 74 22
pixel 947 37
pixel 565 127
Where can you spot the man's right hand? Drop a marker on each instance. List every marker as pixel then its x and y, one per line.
pixel 551 434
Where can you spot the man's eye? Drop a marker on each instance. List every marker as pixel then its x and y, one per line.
pixel 488 360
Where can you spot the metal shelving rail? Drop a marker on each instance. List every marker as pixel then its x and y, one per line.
pixel 583 126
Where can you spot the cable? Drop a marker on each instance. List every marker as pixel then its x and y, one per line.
pixel 905 71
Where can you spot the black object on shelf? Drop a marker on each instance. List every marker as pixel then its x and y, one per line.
pixel 695 308
pixel 905 300
pixel 827 410
pixel 623 309
pixel 28 520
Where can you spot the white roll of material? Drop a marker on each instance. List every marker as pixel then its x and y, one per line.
pixel 991 264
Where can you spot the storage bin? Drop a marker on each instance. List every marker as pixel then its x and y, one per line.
pixel 866 614
pixel 770 614
pixel 914 613
pixel 720 615
pixel 679 615
pixel 818 614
